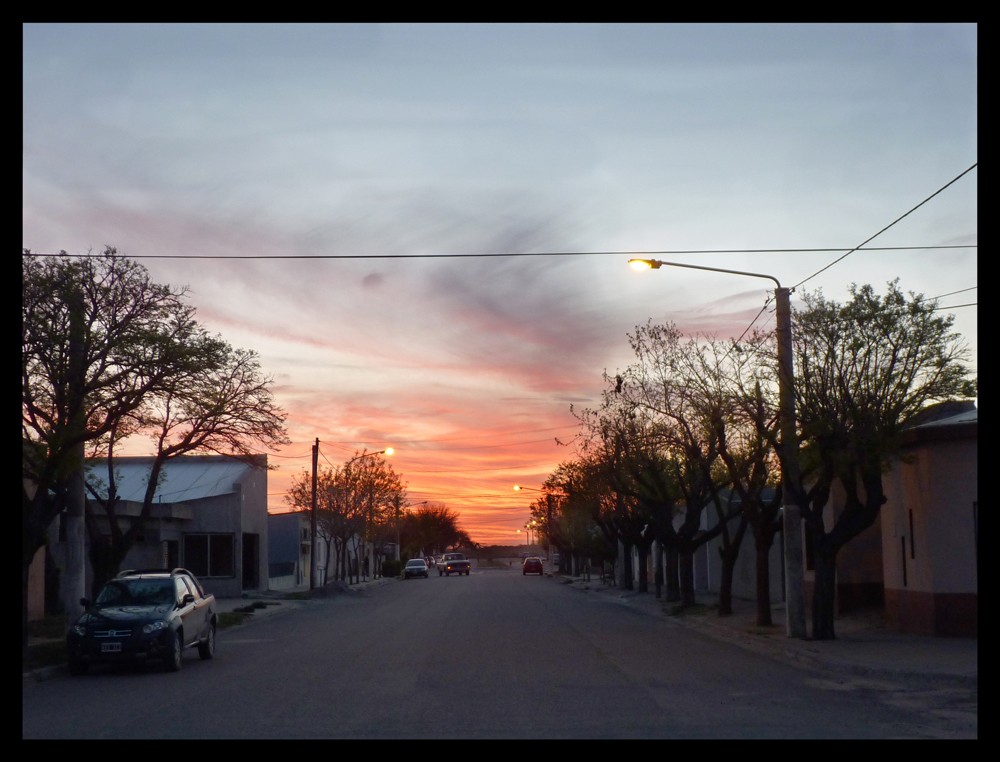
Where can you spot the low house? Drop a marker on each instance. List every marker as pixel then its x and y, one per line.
pixel 209 516
pixel 290 551
pixel 930 527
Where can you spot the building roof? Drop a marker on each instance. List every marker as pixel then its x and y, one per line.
pixel 969 416
pixel 960 424
pixel 182 479
pixel 947 413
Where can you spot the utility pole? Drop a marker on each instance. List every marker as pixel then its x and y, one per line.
pixel 791 517
pixel 548 528
pixel 397 527
pixel 314 567
pixel 795 607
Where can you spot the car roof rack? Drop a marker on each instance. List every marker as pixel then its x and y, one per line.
pixel 171 572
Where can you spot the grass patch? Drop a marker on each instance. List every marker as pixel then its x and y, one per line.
pixel 49 627
pixel 48 653
pixel 232 618
pixel 698 609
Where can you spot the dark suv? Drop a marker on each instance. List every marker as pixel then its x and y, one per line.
pixel 143 615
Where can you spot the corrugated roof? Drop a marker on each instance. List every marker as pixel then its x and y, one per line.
pixel 969 416
pixel 183 478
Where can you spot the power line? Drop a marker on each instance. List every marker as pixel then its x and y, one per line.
pixel 898 219
pixel 633 253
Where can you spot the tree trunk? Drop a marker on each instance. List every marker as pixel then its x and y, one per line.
pixel 763 574
pixel 643 575
pixel 24 611
pixel 686 568
pixel 672 575
pixel 105 563
pixel 623 569
pixel 658 568
pixel 824 595
pixel 728 564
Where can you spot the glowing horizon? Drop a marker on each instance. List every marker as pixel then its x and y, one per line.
pixel 433 255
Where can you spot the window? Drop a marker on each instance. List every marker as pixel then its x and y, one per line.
pixel 210 555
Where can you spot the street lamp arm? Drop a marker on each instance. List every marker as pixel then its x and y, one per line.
pixel 656 264
pixel 387 451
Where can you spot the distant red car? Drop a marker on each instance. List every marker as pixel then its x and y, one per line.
pixel 532 565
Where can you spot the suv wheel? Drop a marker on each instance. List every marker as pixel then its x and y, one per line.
pixel 172 661
pixel 206 648
pixel 77 667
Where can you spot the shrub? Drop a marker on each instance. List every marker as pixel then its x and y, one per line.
pixel 392 568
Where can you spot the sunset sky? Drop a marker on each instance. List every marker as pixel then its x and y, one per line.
pixel 423 229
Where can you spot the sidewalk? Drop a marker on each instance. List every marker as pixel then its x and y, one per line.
pixel 863 645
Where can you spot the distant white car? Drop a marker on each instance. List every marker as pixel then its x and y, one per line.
pixel 415 567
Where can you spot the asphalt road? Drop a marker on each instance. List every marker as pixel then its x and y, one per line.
pixel 495 655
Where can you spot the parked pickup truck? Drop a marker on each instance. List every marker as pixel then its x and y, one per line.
pixel 454 563
pixel 144 615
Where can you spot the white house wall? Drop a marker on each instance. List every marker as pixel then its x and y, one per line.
pixel 930 561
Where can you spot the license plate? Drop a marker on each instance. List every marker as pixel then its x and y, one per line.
pixel 111 648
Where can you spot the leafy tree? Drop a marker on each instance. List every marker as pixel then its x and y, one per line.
pixel 420 529
pixel 355 501
pixel 566 511
pixel 865 368
pixel 97 337
pixel 440 526
pixel 372 490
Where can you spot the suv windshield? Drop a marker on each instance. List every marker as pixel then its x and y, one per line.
pixel 137 592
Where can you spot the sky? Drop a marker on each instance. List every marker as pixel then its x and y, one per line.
pixel 423 229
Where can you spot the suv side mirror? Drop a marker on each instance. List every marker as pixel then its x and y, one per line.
pixel 188 598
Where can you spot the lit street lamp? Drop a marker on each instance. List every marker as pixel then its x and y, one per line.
pixel 527 528
pixel 548 503
pixel 795 617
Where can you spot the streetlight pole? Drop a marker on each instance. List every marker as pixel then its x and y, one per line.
pixel 795 610
pixel 313 565
pixel 548 519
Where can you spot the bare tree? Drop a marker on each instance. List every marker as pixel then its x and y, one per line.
pixel 678 407
pixel 220 402
pixel 337 519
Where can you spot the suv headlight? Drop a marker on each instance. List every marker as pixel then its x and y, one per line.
pixel 153 627
pixel 79 629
